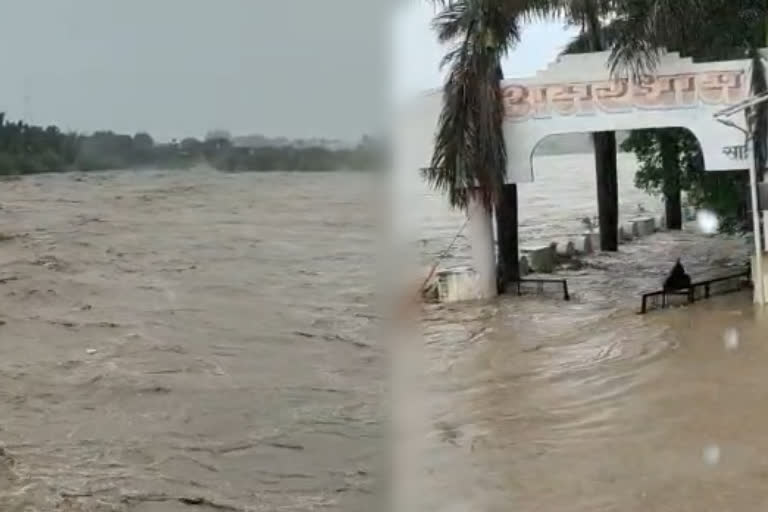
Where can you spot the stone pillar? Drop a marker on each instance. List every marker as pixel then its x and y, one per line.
pixel 607 189
pixel 765 231
pixel 507 237
pixel 755 278
pixel 480 231
pixel 763 267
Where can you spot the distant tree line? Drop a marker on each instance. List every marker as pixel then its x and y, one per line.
pixel 27 149
pixel 222 154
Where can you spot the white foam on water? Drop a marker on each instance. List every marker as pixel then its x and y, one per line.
pixel 707 221
pixel 731 339
pixel 711 454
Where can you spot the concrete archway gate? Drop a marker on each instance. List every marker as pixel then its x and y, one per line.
pixel 576 94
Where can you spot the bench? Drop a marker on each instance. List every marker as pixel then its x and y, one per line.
pixel 699 290
pixel 539 285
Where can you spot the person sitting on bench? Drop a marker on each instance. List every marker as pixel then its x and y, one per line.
pixel 677 278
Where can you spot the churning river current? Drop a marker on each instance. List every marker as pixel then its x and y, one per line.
pixel 204 341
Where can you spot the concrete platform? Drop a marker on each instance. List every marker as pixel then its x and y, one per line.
pixel 541 258
pixel 624 235
pixel 564 249
pixel 643 226
pixel 525 267
pixel 583 244
pixel 456 284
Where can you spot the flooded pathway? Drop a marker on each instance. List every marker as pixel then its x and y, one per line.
pixel 532 403
pixel 539 404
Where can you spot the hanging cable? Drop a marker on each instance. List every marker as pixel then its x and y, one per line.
pixel 442 255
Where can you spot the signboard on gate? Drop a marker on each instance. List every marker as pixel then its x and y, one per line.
pixel 685 90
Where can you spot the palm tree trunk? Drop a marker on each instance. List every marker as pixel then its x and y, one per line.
pixel 507 237
pixel 607 189
pixel 673 210
pixel 673 207
pixel 480 231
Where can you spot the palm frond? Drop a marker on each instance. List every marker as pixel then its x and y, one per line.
pixel 494 22
pixel 538 10
pixel 648 26
pixel 633 57
pixel 469 151
pixel 579 44
pixel 452 21
pixel 582 44
pixel 451 56
pixel 632 54
pixel 704 29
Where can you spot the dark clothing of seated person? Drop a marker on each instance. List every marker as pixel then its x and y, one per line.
pixel 677 278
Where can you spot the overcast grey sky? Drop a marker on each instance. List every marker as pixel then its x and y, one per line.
pixel 176 68
pixel 417 53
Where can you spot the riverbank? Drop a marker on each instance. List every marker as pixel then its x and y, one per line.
pixel 30 149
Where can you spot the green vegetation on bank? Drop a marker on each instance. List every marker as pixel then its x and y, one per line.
pixel 670 162
pixel 28 149
pixel 670 158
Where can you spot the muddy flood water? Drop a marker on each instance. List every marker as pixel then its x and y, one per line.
pixel 533 403
pixel 202 341
pixel 187 341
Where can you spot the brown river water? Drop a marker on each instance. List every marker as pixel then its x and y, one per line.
pixel 532 403
pixel 187 341
pixel 204 341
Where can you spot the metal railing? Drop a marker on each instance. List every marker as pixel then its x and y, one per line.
pixel 697 291
pixel 523 285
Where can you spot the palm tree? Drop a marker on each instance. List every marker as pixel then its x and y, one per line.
pixel 712 30
pixel 588 14
pixel 469 159
pixel 665 139
pixel 707 30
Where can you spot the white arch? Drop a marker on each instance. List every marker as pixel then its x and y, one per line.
pixel 576 94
